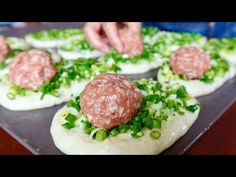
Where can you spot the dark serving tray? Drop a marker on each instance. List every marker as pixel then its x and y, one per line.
pixel 32 128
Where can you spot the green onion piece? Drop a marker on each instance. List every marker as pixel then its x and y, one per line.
pixel 123 128
pixel 137 135
pixel 74 104
pixel 55 93
pixel 136 127
pixel 157 86
pixel 193 108
pixel 11 96
pixel 114 132
pixel 71 118
pixel 180 112
pixel 154 98
pixel 88 127
pixel 157 123
pixel 181 92
pixel 101 135
pixel 171 103
pixel 3 65
pixel 148 122
pixel 155 134
pixel 67 125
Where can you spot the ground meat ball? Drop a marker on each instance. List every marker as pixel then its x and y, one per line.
pixel 31 69
pixel 191 62
pixel 110 100
pixel 4 49
pixel 132 42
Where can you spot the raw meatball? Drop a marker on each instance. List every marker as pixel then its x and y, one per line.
pixel 4 49
pixel 191 62
pixel 110 100
pixel 31 69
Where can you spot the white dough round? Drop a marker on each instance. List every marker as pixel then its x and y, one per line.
pixel 231 57
pixel 140 68
pixel 32 101
pixel 75 141
pixel 17 43
pixel 197 88
pixel 47 43
pixel 83 54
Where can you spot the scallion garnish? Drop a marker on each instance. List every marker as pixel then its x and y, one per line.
pixel 193 108
pixel 101 135
pixel 71 119
pixel 155 134
pixel 67 125
pixel 114 132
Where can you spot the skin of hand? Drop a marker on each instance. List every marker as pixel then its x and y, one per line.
pixel 125 37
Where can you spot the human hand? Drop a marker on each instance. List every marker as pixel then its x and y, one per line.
pixel 124 37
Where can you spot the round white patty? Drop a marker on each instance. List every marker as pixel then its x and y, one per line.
pixel 75 141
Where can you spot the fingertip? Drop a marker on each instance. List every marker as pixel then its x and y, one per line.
pixel 105 49
pixel 119 48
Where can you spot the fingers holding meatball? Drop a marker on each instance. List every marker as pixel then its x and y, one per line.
pixel 132 42
pixel 125 38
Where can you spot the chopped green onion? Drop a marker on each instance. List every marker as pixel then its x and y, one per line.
pixel 14 91
pixel 192 108
pixel 71 118
pixel 136 127
pixel 68 125
pixel 155 134
pixel 137 135
pixel 154 98
pixel 157 123
pixel 123 128
pixel 3 65
pixel 88 127
pixel 171 103
pixel 101 135
pixel 11 96
pixel 55 93
pixel 180 112
pixel 114 132
pixel 181 92
pixel 148 122
pixel 75 104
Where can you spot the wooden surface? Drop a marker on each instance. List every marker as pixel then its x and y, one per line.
pixel 220 139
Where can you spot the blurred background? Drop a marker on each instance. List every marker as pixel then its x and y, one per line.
pixel 209 29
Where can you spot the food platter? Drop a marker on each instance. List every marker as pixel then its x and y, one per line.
pixel 32 128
